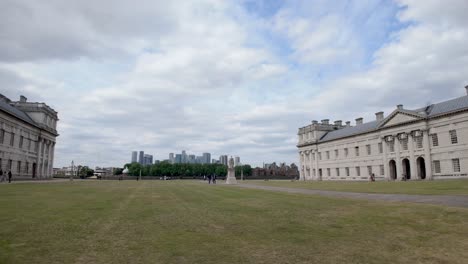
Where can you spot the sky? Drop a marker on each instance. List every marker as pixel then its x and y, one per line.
pixel 226 77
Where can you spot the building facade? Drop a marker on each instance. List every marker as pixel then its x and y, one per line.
pixel 421 144
pixel 28 134
pixel 134 156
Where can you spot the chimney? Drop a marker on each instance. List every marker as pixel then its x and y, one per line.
pixel 379 116
pixel 348 123
pixel 314 122
pixel 400 106
pixel 338 123
pixel 466 88
pixel 325 121
pixel 23 99
pixel 359 121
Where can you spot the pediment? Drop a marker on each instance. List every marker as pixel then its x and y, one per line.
pixel 399 118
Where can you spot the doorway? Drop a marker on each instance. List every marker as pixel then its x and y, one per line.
pixel 406 169
pixel 421 168
pixel 392 170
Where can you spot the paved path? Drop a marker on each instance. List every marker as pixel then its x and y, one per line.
pixel 447 200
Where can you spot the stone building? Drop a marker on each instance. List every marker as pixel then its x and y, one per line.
pixel 27 138
pixel 421 144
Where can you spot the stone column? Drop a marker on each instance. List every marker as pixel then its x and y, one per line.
pixel 413 168
pixel 38 163
pixel 301 166
pixel 319 178
pixel 44 166
pixel 51 158
pixel 311 165
pixel 384 158
pixel 398 158
pixel 427 155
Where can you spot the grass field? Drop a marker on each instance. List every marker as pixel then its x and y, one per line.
pixel 439 187
pixel 190 222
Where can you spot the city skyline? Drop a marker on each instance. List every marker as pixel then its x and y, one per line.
pixel 224 76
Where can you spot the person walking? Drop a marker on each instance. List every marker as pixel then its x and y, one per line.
pixel 9 176
pixel 209 179
pixel 214 179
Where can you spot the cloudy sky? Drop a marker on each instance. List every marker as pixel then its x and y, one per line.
pixel 226 77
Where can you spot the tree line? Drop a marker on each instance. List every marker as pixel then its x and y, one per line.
pixel 183 169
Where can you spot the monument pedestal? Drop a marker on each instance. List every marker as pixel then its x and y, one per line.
pixel 231 177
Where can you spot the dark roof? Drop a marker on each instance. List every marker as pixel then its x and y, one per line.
pixel 349 131
pixel 4 106
pixel 457 104
pixel 449 106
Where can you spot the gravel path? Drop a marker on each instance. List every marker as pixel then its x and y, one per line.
pixel 446 200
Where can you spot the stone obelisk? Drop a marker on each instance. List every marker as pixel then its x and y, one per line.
pixel 231 176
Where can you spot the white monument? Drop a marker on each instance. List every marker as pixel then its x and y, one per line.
pixel 231 176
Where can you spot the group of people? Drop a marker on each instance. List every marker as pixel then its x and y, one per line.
pixel 211 178
pixel 4 175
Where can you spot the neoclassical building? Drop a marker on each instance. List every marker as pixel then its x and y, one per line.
pixel 27 138
pixel 426 143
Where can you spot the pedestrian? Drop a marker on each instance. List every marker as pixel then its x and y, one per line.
pixel 9 176
pixel 373 177
pixel 214 178
pixel 209 179
pixel 2 178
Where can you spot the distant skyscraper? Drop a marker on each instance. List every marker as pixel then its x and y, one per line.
pixel 178 158
pixel 206 158
pixel 184 157
pixel 236 161
pixel 141 158
pixel 134 156
pixel 148 159
pixel 223 159
pixel 171 158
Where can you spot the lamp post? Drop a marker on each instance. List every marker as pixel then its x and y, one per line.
pixel 72 170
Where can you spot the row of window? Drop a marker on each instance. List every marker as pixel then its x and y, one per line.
pixel 347 171
pixel 29 145
pixel 436 164
pixel 455 166
pixel 391 144
pixel 19 168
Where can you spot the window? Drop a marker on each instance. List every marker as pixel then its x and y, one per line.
pixel 369 170
pixel 328 154
pixel 2 136
pixel 313 155
pixel 391 145
pixel 456 165
pixel 338 172
pixel 346 152
pixel 12 139
pixel 347 171
pixel 358 171
pixel 368 147
pixel 380 148
pixel 404 144
pixel 453 136
pixel 314 172
pixel 437 166
pixel 1 164
pixel 10 164
pixel 320 155
pixel 419 142
pixel 336 153
pixel 382 170
pixel 37 146
pixel 357 151
pixel 27 167
pixel 435 140
pixel 21 142
pixel 328 172
pixel 18 169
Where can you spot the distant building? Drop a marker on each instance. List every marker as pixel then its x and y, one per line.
pixel 134 156
pixel 427 143
pixel 141 158
pixel 27 138
pixel 206 158
pixel 147 159
pixel 178 158
pixel 184 157
pixel 171 158
pixel 223 159
pixel 236 161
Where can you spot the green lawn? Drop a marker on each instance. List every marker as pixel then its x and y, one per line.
pixel 191 222
pixel 440 187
